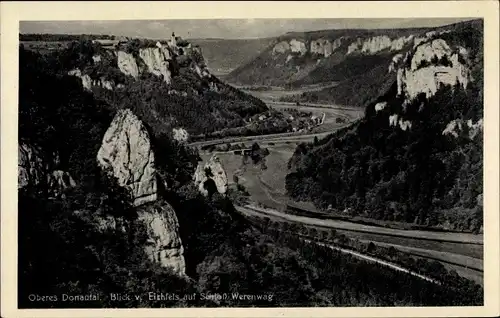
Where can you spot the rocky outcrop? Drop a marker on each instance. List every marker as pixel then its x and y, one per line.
pixel 88 82
pixel 377 44
pixel 164 244
pixel 32 168
pixel 380 106
pixel 127 153
pixel 281 47
pixel 127 64
pixel 180 134
pixel 396 60
pixel 211 170
pixel 321 47
pixel 456 126
pixel 157 60
pixel 395 120
pixel 298 47
pixel 60 180
pixel 432 64
pixel 453 128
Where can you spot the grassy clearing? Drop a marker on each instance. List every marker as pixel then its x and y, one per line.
pixel 277 169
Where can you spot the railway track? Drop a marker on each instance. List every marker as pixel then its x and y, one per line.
pixel 473 267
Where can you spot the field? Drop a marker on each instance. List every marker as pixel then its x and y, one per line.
pixel 276 93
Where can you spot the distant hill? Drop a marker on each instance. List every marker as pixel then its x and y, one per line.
pixel 224 55
pixel 358 59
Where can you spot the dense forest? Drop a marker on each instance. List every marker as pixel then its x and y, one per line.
pixel 62 251
pixel 420 176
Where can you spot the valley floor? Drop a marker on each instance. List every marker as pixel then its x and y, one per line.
pixel 462 252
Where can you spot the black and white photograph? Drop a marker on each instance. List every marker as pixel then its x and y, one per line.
pixel 250 163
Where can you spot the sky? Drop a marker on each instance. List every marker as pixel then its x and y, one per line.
pixel 220 28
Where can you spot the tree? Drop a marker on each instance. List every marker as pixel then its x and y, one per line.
pixel 371 248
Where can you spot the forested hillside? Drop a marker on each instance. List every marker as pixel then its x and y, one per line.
pixel 176 89
pixel 417 154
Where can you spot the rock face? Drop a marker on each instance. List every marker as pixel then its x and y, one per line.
pixel 456 126
pixel 126 151
pixel 88 82
pixel 60 180
pixel 433 64
pixel 453 128
pixel 322 47
pixel 394 120
pixel 380 106
pixel 180 134
pixel 127 154
pixel 127 64
pixel 212 170
pixel 396 59
pixel 157 61
pixel 164 244
pixel 298 47
pixel 319 46
pixel 32 168
pixel 377 44
pixel 281 47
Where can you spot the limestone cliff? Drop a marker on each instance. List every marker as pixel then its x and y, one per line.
pixel 457 126
pixel 126 151
pixel 35 169
pixel 32 168
pixel 60 180
pixel 377 44
pixel 164 244
pixel 180 134
pixel 157 60
pixel 127 64
pixel 211 170
pixel 298 47
pixel 321 46
pixel 88 82
pixel 432 64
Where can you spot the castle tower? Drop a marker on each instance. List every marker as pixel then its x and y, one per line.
pixel 173 42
